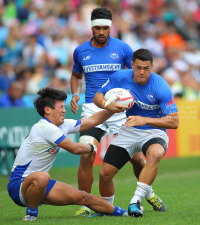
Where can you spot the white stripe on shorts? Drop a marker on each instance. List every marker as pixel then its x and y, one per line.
pixel 21 197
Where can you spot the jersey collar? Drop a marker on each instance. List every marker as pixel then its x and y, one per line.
pixel 46 119
pixel 104 46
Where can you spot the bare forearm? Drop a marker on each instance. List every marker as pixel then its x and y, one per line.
pixel 82 149
pixel 99 100
pixel 95 119
pixel 75 148
pixel 168 122
pixel 101 116
pixel 76 84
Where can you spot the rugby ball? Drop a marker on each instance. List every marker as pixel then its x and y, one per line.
pixel 125 98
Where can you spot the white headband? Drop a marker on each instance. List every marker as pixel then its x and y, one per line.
pixel 101 22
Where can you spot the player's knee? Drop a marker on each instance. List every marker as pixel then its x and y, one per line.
pixel 105 175
pixel 83 198
pixel 42 180
pixel 155 155
pixel 86 161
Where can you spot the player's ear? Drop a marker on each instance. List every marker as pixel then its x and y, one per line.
pixel 132 64
pixel 47 110
pixel 152 65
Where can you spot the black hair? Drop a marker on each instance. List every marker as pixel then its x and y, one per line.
pixel 143 55
pixel 101 13
pixel 48 97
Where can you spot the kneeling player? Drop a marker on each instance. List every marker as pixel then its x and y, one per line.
pixel 30 184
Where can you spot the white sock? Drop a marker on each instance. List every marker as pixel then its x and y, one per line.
pixel 149 194
pixel 85 207
pixel 109 199
pixel 140 192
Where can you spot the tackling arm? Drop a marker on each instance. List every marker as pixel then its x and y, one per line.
pixel 95 119
pixel 75 148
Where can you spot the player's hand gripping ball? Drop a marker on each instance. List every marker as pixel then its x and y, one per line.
pixel 123 97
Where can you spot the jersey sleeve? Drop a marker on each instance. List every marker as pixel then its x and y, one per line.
pixel 128 53
pixel 167 103
pixel 77 67
pixel 53 134
pixel 71 126
pixel 111 83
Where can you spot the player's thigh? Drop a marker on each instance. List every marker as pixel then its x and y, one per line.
pixel 62 194
pixel 116 156
pixel 40 178
pixel 154 144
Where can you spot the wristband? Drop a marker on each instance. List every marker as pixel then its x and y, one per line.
pixel 92 148
pixel 75 94
pixel 103 104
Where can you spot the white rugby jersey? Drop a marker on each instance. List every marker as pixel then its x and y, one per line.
pixel 38 151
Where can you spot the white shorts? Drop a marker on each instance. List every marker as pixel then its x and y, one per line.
pixel 113 123
pixel 133 139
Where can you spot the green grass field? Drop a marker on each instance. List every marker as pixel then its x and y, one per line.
pixel 177 183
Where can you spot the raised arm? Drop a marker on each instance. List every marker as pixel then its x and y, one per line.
pixel 76 84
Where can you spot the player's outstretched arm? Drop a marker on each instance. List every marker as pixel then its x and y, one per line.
pixel 110 105
pixel 75 148
pixel 171 121
pixel 76 85
pixel 95 119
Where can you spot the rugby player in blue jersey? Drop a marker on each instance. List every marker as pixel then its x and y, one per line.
pixel 153 112
pixel 98 59
pixel 29 182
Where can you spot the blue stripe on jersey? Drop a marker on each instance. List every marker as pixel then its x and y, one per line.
pixel 46 119
pixel 60 139
pixel 78 123
pixel 18 172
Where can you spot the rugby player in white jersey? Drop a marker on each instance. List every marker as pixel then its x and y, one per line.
pixel 98 59
pixel 30 184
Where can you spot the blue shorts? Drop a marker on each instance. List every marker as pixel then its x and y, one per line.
pixel 14 190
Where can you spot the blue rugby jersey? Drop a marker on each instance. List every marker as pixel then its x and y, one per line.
pixel 98 64
pixel 153 99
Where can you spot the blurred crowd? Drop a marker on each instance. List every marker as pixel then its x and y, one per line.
pixel 38 37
